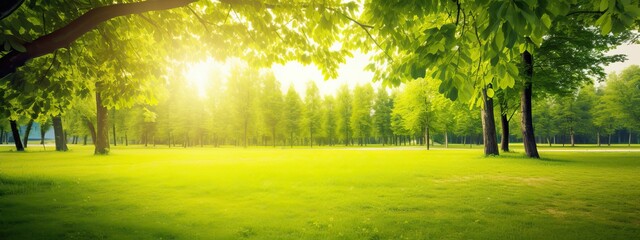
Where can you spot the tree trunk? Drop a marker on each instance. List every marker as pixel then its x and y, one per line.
pixel 16 136
pixel 526 124
pixel 27 131
pixel 609 141
pixel 489 126
pixel 273 133
pixel 426 136
pixel 42 133
pixel 629 138
pixel 115 143
pixel 102 131
pixel 504 124
pixel 311 138
pixel 572 135
pixel 58 133
pixel 598 137
pixel 446 139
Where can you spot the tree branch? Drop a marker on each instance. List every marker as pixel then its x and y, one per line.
pixel 64 36
pixel 585 12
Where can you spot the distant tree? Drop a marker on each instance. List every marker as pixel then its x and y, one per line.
pixel 329 119
pixel 272 104
pixel 344 101
pixel 414 105
pixel 361 117
pixel 292 113
pixel 545 118
pixel 606 117
pixel 312 111
pixel 242 88
pixel 623 95
pixel 382 115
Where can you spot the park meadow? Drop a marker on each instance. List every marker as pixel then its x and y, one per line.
pixel 308 119
pixel 319 193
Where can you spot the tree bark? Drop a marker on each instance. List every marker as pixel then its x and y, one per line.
pixel 16 136
pixel 446 139
pixel 572 135
pixel 598 137
pixel 504 124
pixel 27 131
pixel 64 36
pixel 43 132
pixel 102 131
pixel 58 132
pixel 489 126
pixel 526 124
pixel 426 137
pixel 115 142
pixel 92 129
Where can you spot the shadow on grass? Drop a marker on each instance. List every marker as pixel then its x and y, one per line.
pixel 519 155
pixel 14 185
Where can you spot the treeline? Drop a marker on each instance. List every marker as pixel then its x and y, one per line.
pixel 609 113
pixel 249 109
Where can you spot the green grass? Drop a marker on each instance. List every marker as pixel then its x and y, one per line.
pixel 325 193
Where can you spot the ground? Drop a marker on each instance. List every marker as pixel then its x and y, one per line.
pixel 320 193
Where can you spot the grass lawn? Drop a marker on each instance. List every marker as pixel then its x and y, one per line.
pixel 264 193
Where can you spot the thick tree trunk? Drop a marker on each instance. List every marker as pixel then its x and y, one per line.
pixel 102 131
pixel 489 126
pixel 16 136
pixel 526 124
pixel 27 131
pixel 58 133
pixel 504 124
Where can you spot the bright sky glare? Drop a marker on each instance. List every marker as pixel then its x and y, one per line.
pixel 351 72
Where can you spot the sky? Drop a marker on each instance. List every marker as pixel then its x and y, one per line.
pixel 352 72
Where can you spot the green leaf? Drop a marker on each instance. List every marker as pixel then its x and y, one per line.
pixel 17 46
pixel 418 71
pixel 604 4
pixel 490 92
pixel 605 28
pixel 499 37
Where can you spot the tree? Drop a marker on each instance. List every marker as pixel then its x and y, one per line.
pixel 243 90
pixel 271 104
pixel 382 115
pixel 345 110
pixel 361 116
pixel 292 113
pixel 623 95
pixel 329 124
pixel 469 45
pixel 606 118
pixel 312 111
pixel 414 106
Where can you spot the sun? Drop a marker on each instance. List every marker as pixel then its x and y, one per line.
pixel 198 75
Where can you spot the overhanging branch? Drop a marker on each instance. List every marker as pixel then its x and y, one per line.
pixel 64 36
